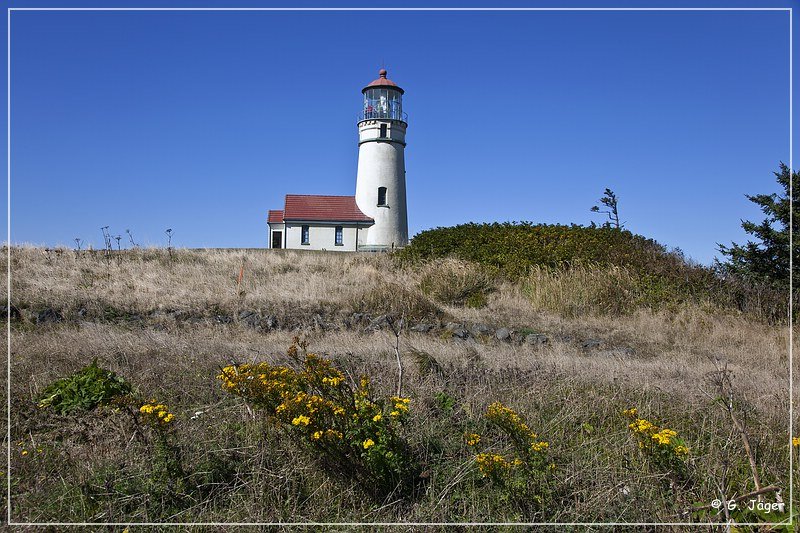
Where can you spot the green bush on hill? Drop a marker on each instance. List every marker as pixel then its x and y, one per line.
pixel 644 272
pixel 514 247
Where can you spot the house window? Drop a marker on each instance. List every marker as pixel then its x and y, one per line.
pixel 383 130
pixel 381 195
pixel 304 235
pixel 339 238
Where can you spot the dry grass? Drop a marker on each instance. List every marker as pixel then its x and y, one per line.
pixel 241 470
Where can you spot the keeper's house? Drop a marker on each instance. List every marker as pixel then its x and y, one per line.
pixel 316 222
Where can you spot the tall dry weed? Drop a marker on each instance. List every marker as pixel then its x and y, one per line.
pixel 455 282
pixel 581 290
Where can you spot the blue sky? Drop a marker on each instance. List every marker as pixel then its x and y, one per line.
pixel 202 121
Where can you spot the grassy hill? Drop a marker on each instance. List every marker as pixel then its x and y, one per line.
pixel 546 340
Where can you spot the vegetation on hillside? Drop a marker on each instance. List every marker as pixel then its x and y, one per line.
pixel 495 429
pixel 610 270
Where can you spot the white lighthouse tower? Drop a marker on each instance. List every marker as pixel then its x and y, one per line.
pixel 381 178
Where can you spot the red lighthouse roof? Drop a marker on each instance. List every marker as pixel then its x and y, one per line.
pixel 383 81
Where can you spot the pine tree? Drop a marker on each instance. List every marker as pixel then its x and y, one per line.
pixel 609 200
pixel 767 258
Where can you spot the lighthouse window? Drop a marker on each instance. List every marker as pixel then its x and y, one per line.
pixel 381 195
pixel 339 240
pixel 304 235
pixel 383 130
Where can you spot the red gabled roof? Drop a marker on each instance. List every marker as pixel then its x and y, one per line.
pixel 323 208
pixel 275 216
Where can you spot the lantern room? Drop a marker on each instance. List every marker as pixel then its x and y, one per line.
pixel 383 99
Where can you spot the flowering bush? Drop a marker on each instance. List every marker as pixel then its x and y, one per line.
pixel 353 432
pixel 155 414
pixel 167 475
pixel 660 444
pixel 525 469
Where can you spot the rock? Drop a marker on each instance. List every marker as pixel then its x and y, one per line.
pixel 536 339
pixel 318 323
pixel 461 333
pixel 14 312
pixel 503 334
pixel 457 330
pixel 268 323
pixel 591 343
pixel 48 316
pixel 480 329
pixel 378 323
pixel 422 327
pixel 249 318
pixel 357 318
pixel 222 319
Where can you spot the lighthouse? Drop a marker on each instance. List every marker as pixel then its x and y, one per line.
pixel 381 175
pixel 373 220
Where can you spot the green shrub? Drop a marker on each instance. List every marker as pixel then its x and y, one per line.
pixel 88 388
pixel 514 247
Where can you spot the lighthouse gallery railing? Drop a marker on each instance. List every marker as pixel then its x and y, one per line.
pixel 377 114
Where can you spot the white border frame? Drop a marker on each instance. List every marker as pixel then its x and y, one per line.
pixel 234 524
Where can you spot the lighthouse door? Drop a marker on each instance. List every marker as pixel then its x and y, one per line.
pixel 276 239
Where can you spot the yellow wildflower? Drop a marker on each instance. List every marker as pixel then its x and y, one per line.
pixel 376 418
pixel 795 441
pixel 317 435
pixel 641 425
pixel 632 412
pixel 369 443
pixel 539 446
pixel 490 463
pixel 472 439
pixel 301 420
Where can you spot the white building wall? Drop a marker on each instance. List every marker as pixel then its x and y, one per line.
pixel 272 228
pixel 381 163
pixel 321 237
